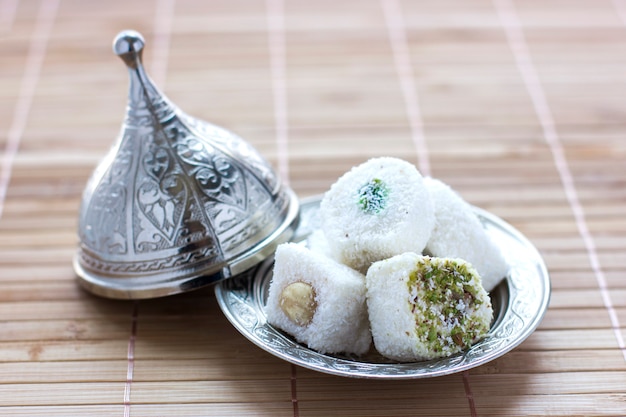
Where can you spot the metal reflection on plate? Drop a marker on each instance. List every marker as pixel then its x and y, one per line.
pixel 519 302
pixel 178 203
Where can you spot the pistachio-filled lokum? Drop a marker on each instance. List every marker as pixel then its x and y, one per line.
pixel 378 209
pixel 458 233
pixel 425 308
pixel 318 301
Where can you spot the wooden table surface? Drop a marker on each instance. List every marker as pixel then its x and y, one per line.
pixel 519 105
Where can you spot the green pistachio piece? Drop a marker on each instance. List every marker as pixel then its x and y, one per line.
pixel 373 196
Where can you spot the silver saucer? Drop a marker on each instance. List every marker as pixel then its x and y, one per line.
pixel 519 302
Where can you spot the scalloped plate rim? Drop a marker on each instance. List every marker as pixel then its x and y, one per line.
pixel 283 346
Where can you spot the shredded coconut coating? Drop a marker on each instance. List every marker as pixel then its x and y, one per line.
pixel 340 322
pixel 458 233
pixel 424 308
pixel 376 210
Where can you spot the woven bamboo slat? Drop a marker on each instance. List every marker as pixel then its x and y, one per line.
pixel 519 105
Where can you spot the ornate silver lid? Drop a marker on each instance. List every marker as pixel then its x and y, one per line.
pixel 177 203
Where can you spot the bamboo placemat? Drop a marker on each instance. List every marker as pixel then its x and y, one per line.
pixel 520 106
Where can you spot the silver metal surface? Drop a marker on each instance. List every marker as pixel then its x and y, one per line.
pixel 178 203
pixel 519 303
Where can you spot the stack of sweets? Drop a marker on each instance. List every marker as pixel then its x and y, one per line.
pixel 400 260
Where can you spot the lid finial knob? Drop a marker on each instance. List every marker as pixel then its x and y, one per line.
pixel 128 45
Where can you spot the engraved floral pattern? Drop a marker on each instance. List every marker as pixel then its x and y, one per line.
pixel 173 193
pixel 218 177
pixel 103 224
pixel 162 196
pixel 238 149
